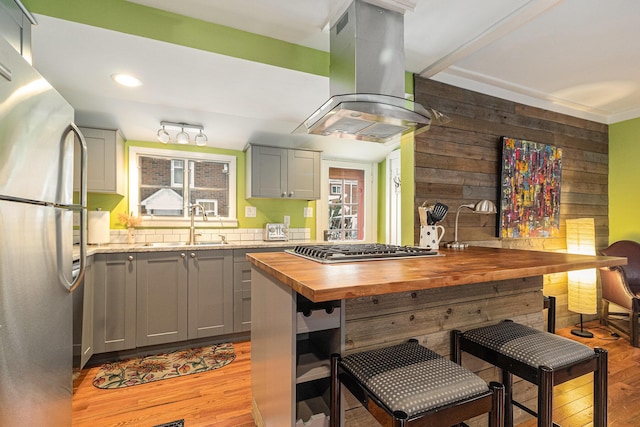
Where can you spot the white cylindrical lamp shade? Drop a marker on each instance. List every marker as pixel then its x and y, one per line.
pixel 582 285
pixel 583 291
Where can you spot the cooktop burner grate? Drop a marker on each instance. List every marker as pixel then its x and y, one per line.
pixel 358 252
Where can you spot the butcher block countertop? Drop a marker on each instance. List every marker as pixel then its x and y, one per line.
pixel 325 282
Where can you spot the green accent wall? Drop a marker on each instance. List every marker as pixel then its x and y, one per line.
pixel 132 18
pixel 624 176
pixel 268 210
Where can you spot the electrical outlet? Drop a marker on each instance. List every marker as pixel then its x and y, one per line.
pixel 308 212
pixel 250 211
pixel 287 220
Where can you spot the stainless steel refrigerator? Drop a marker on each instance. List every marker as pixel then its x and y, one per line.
pixel 36 238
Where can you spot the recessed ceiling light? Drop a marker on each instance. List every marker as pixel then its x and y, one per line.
pixel 126 80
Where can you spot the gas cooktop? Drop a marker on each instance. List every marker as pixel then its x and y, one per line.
pixel 328 254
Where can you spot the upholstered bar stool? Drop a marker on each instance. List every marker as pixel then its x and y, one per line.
pixel 539 357
pixel 410 385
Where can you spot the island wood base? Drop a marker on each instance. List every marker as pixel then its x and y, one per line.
pixel 375 321
pixel 430 315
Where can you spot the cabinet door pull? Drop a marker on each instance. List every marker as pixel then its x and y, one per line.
pixel 291 194
pixel 130 257
pixel 192 255
pixel 183 255
pixel 284 195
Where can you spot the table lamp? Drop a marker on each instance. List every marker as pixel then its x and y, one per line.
pixel 481 207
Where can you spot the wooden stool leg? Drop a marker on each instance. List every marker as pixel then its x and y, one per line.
pixel 455 351
pixel 634 329
pixel 334 404
pixel 507 381
pixel 600 389
pixel 496 416
pixel 551 316
pixel 545 397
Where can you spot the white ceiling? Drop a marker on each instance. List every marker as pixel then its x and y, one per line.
pixel 578 57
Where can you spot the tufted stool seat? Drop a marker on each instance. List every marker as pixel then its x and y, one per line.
pixel 539 357
pixel 410 385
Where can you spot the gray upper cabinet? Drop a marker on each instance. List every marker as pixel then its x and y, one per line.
pixel 114 308
pixel 83 299
pixel 161 298
pixel 15 26
pixel 282 173
pixel 105 166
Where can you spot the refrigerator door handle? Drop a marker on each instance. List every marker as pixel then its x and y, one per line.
pixel 82 207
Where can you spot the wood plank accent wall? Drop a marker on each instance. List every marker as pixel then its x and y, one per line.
pixel 460 163
pixel 430 315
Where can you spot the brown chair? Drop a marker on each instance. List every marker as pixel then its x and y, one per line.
pixel 621 286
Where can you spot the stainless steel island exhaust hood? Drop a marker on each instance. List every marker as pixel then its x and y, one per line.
pixel 366 79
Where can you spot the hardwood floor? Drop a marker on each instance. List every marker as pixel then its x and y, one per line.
pixel 572 403
pixel 222 398
pixel 219 398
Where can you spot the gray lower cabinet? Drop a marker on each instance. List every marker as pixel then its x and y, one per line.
pixel 242 287
pixel 151 298
pixel 161 298
pixel 83 299
pixel 114 302
pixel 183 295
pixel 210 293
pixel 241 292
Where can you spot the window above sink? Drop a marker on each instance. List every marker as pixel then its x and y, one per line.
pixel 164 183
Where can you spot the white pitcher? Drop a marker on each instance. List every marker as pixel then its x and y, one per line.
pixel 430 236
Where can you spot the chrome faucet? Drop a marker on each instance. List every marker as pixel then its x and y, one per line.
pixel 222 236
pixel 192 228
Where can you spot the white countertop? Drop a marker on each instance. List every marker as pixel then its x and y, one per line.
pixel 167 247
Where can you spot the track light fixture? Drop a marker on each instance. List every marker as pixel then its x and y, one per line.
pixel 182 136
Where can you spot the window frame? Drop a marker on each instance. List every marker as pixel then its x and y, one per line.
pixel 152 221
pixel 173 175
pixel 370 198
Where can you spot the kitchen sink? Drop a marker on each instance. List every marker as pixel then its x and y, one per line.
pixel 164 244
pixel 218 243
pixel 179 244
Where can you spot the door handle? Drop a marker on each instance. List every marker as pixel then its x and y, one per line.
pixel 82 207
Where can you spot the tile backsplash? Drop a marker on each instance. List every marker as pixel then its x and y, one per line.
pixel 169 235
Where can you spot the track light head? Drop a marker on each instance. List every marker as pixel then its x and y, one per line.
pixel 163 135
pixel 201 139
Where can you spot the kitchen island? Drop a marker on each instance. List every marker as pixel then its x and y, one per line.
pixel 303 310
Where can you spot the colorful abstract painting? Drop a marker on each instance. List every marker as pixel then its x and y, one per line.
pixel 530 189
